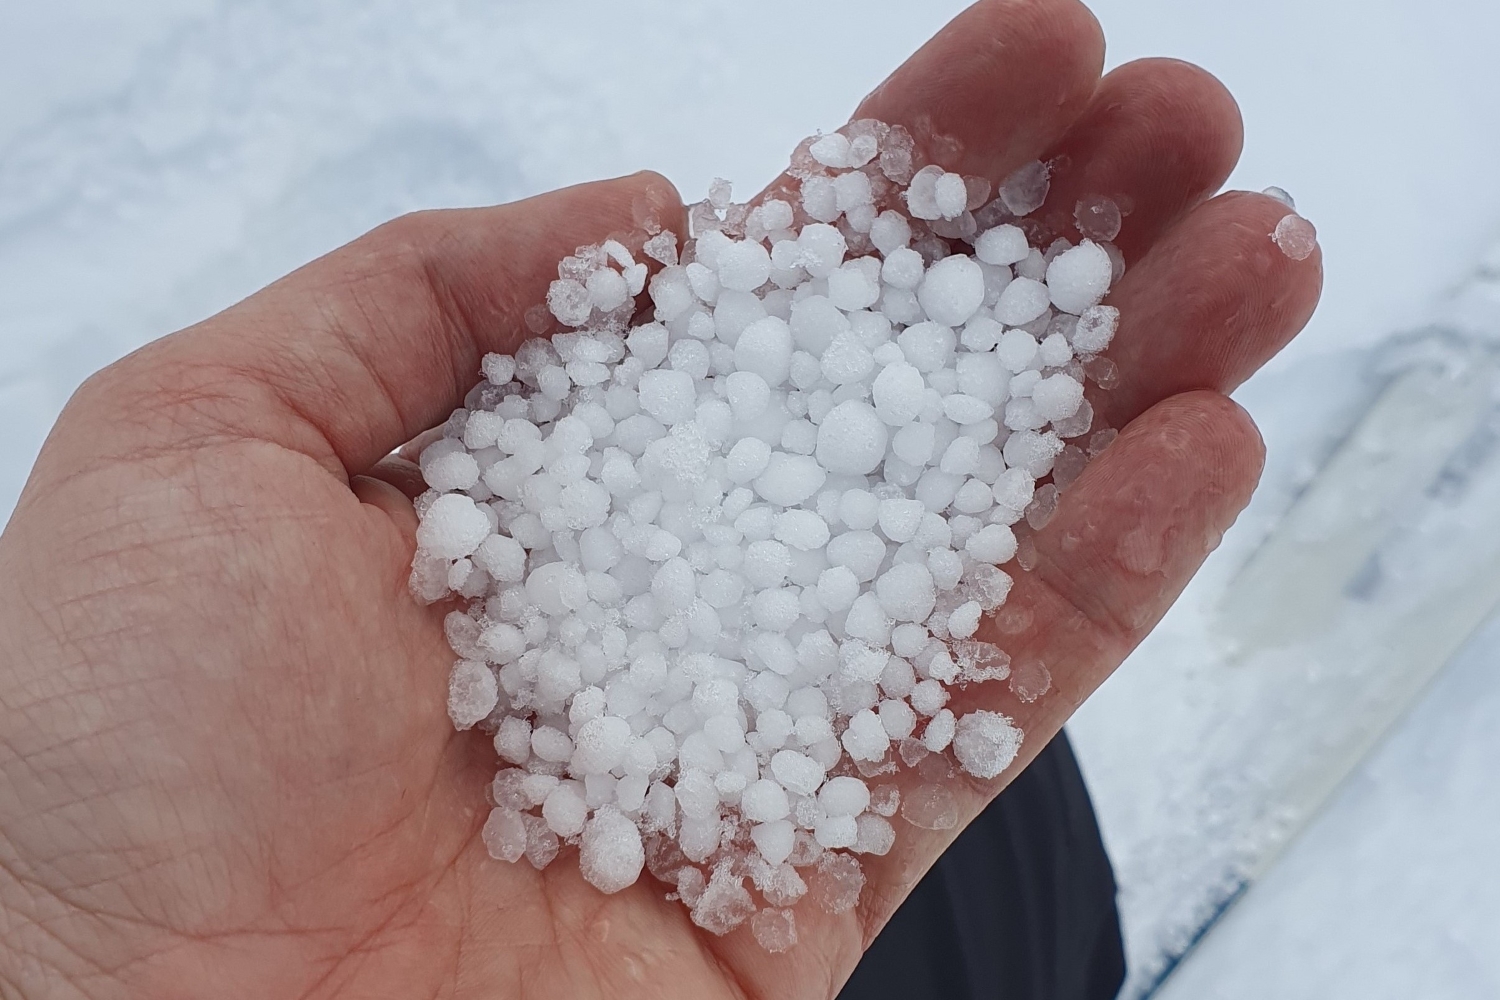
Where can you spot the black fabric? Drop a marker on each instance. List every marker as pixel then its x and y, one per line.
pixel 1021 907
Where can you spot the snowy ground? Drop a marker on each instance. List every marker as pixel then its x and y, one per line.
pixel 1391 892
pixel 159 160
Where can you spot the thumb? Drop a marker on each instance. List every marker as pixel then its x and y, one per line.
pixel 357 352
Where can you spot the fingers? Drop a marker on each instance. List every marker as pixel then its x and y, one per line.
pixel 997 86
pixel 1126 538
pixel 1005 83
pixel 366 347
pixel 390 486
pixel 361 350
pixel 1158 137
pixel 1211 302
pixel 402 473
pixel 369 345
pixel 1177 478
pixel 387 498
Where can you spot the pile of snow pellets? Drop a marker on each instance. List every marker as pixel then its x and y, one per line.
pixel 721 550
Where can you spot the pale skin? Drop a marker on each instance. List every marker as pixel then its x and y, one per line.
pixel 225 764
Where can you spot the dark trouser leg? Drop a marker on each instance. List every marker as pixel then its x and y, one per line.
pixel 1021 907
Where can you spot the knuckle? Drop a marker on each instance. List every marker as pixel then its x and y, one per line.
pixel 405 243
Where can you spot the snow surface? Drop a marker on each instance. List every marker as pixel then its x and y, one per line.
pixel 1205 757
pixel 1391 892
pixel 161 159
pixel 1353 106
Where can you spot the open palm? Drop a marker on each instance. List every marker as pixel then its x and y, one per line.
pixel 225 765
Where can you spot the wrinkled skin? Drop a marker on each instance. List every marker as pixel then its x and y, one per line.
pixel 225 766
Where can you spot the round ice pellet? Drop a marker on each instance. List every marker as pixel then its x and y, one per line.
pixel 667 395
pixel 994 544
pixel 747 459
pixel 452 527
pixel 844 796
pixel 790 479
pixel 838 586
pixel 1025 190
pixel 831 150
pixel 748 392
pixel 1022 301
pixel 928 346
pixel 797 772
pixel 906 592
pixel 950 195
pixel 472 693
pixel 1057 397
pixel 899 392
pixel 866 738
pixel 1016 351
pixel 456 470
pixel 774 840
pixel 764 801
pixel 822 249
pixel 1002 245
pixel 952 290
pixel 611 854
pixel 744 266
pixel 1078 278
pixel 851 439
pixel 889 232
pixel 802 529
pixel 846 360
pixel 903 269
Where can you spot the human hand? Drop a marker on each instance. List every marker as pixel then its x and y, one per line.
pixel 227 766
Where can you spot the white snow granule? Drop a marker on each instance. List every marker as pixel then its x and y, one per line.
pixel 1024 300
pixel 1079 278
pixel 985 743
pixel 610 855
pixel 851 439
pixel 1002 246
pixel 744 266
pixel 950 195
pixel 721 565
pixel 1057 397
pixel 456 470
pixel 952 290
pixel 899 392
pixel 452 527
pixel 831 150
